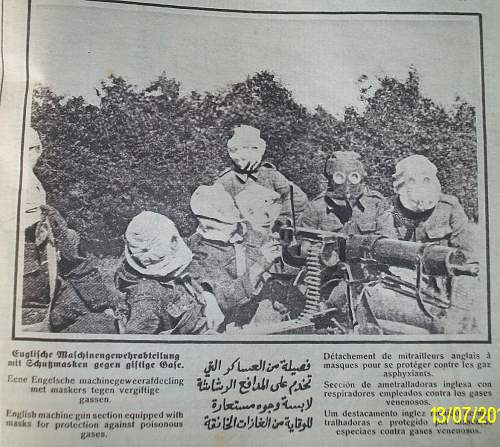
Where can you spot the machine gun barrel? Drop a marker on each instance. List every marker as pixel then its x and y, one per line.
pixel 436 260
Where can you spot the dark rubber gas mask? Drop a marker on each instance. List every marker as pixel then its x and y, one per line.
pixel 345 174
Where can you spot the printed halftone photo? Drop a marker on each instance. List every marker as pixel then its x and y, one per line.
pixel 248 176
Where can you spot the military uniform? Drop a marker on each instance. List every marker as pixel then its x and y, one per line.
pixel 371 214
pixel 82 299
pixel 229 271
pixel 269 177
pixel 80 296
pixel 36 290
pixel 445 224
pixel 157 305
pixel 36 293
pixel 63 291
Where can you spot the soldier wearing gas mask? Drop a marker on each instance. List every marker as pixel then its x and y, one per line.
pixel 38 282
pixel 423 213
pixel 230 259
pixel 348 205
pixel 260 208
pixel 63 290
pixel 246 149
pixel 162 296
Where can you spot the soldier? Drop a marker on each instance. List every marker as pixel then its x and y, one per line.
pixel 161 295
pixel 36 293
pixel 348 205
pixel 33 192
pixel 62 290
pixel 231 260
pixel 423 213
pixel 246 149
pixel 260 207
pixel 82 302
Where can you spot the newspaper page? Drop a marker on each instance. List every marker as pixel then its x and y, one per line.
pixel 249 223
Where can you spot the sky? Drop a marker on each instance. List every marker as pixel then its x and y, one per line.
pixel 319 58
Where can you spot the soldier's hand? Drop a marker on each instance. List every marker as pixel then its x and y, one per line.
pixel 213 314
pixel 253 162
pixel 253 166
pixel 271 252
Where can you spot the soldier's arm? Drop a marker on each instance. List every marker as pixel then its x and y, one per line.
pixel 191 322
pixel 144 304
pixel 226 178
pixel 310 218
pixel 385 221
pixel 282 186
pixel 89 283
pixel 233 292
pixel 67 308
pixel 462 234
pixel 122 278
pixel 230 291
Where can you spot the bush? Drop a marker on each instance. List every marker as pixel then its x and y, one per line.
pixel 151 148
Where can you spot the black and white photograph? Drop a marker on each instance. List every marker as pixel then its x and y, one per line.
pixel 194 174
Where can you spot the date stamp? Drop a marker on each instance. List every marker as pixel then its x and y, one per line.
pixel 464 415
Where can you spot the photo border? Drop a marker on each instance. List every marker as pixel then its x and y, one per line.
pixel 202 340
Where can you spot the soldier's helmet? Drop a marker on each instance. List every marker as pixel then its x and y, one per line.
pixel 246 148
pixel 416 183
pixel 153 245
pixel 345 173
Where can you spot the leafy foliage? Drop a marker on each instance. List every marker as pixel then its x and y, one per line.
pixel 151 148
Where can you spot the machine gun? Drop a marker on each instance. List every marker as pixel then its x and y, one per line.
pixel 324 260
